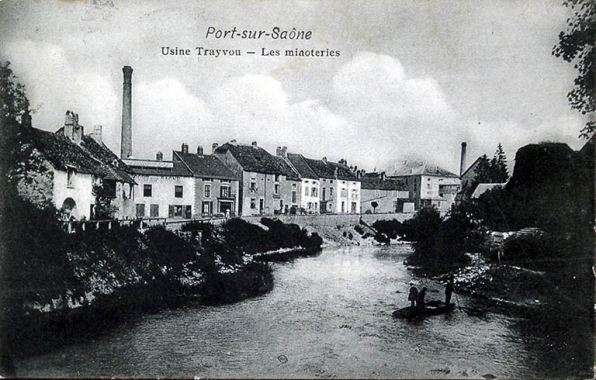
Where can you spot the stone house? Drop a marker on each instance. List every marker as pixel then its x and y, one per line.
pixel 339 186
pixel 267 185
pixel 389 195
pixel 165 189
pixel 216 188
pixel 63 167
pixel 429 185
pixel 310 195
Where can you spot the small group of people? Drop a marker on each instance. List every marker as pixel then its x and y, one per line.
pixel 417 298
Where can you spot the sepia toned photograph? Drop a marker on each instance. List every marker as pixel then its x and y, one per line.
pixel 306 189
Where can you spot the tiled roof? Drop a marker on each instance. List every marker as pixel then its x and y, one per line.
pixel 205 166
pixel 408 168
pixel 301 166
pixel 88 158
pixel 159 168
pixel 380 184
pixel 252 159
pixel 286 169
pixel 330 169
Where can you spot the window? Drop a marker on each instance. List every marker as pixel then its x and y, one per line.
pixel 306 191
pixel 188 212
pixel 253 203
pixel 207 190
pixel 313 192
pixel 70 175
pixel 177 210
pixel 225 192
pixel 140 210
pixel 147 190
pixel 294 196
pixel 253 185
pixel 154 211
pixel 323 193
pixel 207 208
pixel 178 191
pixel 293 185
pixel 276 188
pixel 277 177
pixel 331 181
pixel 331 192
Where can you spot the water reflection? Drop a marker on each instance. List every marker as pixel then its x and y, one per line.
pixel 328 316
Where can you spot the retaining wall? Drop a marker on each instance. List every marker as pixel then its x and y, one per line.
pixel 331 220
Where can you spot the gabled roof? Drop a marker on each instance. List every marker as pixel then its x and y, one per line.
pixel 328 169
pixel 471 166
pixel 380 184
pixel 88 158
pixel 205 166
pixel 286 169
pixel 252 159
pixel 412 168
pixel 301 166
pixel 484 187
pixel 159 168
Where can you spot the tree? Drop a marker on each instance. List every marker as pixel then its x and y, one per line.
pixel 576 45
pixel 498 166
pixel 104 194
pixel 374 206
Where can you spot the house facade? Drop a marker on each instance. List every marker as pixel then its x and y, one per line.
pixel 339 186
pixel 429 185
pixel 216 188
pixel 165 189
pixel 310 195
pixel 379 194
pixel 267 185
pixel 64 167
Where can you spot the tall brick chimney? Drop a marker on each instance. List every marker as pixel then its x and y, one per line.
pixel 462 164
pixel 126 141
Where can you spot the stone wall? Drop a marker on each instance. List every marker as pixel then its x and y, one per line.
pixel 331 220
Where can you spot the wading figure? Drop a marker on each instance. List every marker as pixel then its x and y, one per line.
pixel 413 295
pixel 448 291
pixel 420 300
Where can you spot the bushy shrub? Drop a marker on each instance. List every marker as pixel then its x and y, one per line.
pixel 391 228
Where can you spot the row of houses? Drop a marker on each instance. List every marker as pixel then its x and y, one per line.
pixel 234 179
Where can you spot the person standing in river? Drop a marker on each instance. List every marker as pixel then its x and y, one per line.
pixel 448 291
pixel 413 295
pixel 420 299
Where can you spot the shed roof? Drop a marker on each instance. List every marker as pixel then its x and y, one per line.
pixel 482 188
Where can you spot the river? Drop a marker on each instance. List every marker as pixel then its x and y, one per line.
pixel 328 316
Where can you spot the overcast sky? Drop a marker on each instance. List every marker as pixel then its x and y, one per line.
pixel 413 79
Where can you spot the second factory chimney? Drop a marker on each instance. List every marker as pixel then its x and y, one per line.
pixel 462 164
pixel 126 142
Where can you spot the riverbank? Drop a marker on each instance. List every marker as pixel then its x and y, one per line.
pixel 99 277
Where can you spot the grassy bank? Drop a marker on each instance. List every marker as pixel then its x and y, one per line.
pixel 55 283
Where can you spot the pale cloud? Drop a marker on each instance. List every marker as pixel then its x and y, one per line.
pixel 165 115
pixel 53 87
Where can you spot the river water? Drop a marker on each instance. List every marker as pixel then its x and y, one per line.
pixel 328 316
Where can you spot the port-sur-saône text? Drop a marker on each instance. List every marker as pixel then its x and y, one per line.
pixel 276 33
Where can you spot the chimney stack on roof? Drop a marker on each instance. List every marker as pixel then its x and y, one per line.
pixel 159 156
pixel 200 150
pixel 214 147
pixel 97 132
pixel 462 164
pixel 324 160
pixel 72 129
pixel 233 142
pixel 126 141
pixel 184 148
pixel 254 144
pixel 278 151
